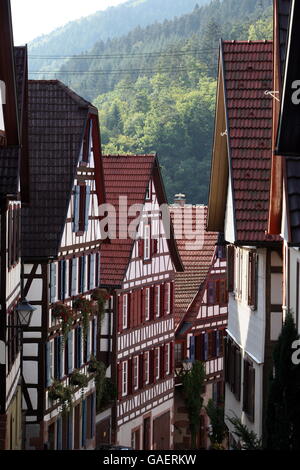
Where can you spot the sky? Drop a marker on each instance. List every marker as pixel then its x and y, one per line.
pixel 32 18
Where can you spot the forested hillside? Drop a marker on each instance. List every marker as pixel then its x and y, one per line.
pixel 81 35
pixel 155 87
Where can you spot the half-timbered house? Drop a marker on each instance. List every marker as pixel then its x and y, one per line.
pixel 13 171
pixel 238 206
pixel 61 239
pixel 137 335
pixel 201 308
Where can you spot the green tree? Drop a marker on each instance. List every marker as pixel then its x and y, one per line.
pixel 283 411
pixel 193 389
pixel 216 416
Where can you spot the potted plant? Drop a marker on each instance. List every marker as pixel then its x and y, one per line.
pixel 79 380
pixel 57 392
pixel 100 296
pixel 86 307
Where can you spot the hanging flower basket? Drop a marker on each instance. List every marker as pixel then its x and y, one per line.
pixel 57 392
pixel 64 313
pixel 79 380
pixel 100 294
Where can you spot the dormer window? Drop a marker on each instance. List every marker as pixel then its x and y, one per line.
pixel 87 144
pixel 82 196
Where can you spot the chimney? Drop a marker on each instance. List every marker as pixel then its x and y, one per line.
pixel 180 199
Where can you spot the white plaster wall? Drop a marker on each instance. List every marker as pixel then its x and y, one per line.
pixel 229 219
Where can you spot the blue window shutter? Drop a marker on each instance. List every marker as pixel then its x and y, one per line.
pixel 192 348
pixel 95 337
pixel 52 282
pixel 61 357
pixel 59 433
pixel 79 347
pixel 56 359
pixel 62 267
pixel 87 207
pixel 76 209
pixel 92 271
pixel 218 342
pixel 74 275
pixel 205 346
pixel 70 430
pixel 88 343
pixel 47 365
pixel 83 435
pixel 82 274
pixel 93 414
pixel 70 352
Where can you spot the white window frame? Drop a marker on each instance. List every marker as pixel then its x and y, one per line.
pixel 157 365
pixel 168 285
pixel 124 378
pixel 147 367
pixel 147 303
pixel 157 300
pixel 147 242
pixel 136 373
pixel 2 102
pixel 168 359
pixel 125 312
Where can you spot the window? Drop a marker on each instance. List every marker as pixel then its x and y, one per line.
pixel 91 274
pixel 51 361
pixel 147 304
pixel 13 339
pixel 211 293
pixel 157 301
pixel 221 251
pixel 233 362
pixel 62 279
pixel 148 193
pixel 178 353
pixel 168 298
pixel 147 242
pixel 124 378
pixel 87 143
pixel 135 373
pixel 82 274
pixel 2 102
pixel 74 272
pixel 147 367
pixel 157 363
pixel 249 389
pixel 125 311
pixel 135 440
pixel 168 359
pixel 82 195
pixel 222 293
pixel 252 279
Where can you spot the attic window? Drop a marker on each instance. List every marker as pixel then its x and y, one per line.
pixel 148 193
pixel 2 103
pixel 82 195
pixel 87 143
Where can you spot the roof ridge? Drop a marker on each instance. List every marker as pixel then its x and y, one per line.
pixel 72 94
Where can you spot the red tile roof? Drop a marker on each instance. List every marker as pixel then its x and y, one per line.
pixel 129 175
pixel 124 175
pixel 248 74
pixel 197 260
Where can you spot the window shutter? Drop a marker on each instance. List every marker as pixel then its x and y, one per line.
pixel 120 381
pixel 62 284
pixel 172 297
pixel 252 392
pixel 130 376
pixel 52 282
pixel 218 342
pixel 129 309
pixel 155 357
pixel 141 371
pixel 79 347
pixel 252 280
pixel 97 269
pixel 61 357
pixel 155 301
pixel 59 433
pixel 141 244
pixel 88 343
pixel 87 207
pixel 205 338
pixel 90 142
pixel 217 287
pixel 120 313
pixel 172 365
pixel 151 366
pixel 166 294
pixel 48 365
pixel 92 271
pixel 76 209
pixel 250 270
pixel 237 378
pixel 83 441
pixel 70 430
pixel 163 293
pixel 143 305
pixel 70 352
pixel 230 268
pixel 192 348
pixel 74 275
pixel 95 333
pixel 162 361
pixel 93 414
pixel 152 302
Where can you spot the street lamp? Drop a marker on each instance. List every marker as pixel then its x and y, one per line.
pixel 24 311
pixel 187 365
